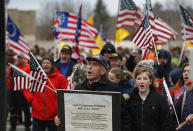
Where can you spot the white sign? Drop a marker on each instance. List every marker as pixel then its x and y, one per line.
pixel 88 112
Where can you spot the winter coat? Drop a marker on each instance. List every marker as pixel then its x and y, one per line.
pixel 44 105
pixel 188 109
pixel 127 88
pixel 102 85
pixel 153 114
pixel 106 85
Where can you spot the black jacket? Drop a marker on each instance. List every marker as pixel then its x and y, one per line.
pixel 153 114
pixel 106 85
pixel 70 69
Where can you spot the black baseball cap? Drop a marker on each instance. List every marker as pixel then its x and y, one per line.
pixel 116 56
pixel 67 49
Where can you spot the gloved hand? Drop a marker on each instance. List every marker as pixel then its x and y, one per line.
pixel 161 71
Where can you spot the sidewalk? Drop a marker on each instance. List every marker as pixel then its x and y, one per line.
pixel 19 127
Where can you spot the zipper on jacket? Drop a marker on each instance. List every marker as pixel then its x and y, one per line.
pixel 44 105
pixel 142 121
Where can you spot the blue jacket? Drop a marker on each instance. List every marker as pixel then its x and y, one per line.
pixel 127 88
pixel 188 109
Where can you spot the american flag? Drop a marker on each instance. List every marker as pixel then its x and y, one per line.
pixel 143 37
pixel 178 94
pixel 160 29
pixel 37 72
pixel 145 53
pixel 21 80
pixel 76 53
pixel 15 40
pixel 67 30
pixel 166 92
pixel 187 31
pixel 129 15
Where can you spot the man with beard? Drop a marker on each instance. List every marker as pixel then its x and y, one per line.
pixel 116 60
pixel 65 63
pixel 165 67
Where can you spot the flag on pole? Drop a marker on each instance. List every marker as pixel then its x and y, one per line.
pixel 166 92
pixel 21 79
pixel 76 53
pixel 187 31
pixel 162 32
pixel 15 39
pixel 143 37
pixel 129 15
pixel 37 72
pixel 67 30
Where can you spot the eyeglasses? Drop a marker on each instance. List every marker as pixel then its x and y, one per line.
pixel 107 51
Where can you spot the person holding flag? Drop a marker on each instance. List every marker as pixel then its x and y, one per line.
pixel 44 104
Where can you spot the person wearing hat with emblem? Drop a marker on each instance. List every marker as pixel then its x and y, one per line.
pixel 65 63
pixel 107 50
pixel 96 80
pixel 116 60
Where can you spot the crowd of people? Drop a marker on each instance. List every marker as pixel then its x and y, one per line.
pixel 144 104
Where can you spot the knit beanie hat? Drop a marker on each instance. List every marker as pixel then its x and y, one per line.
pixel 48 57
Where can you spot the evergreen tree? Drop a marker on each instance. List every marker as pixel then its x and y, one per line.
pixel 101 16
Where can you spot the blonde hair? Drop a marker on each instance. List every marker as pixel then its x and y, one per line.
pixel 145 67
pixel 121 74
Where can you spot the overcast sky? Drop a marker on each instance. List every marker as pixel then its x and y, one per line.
pixel 112 5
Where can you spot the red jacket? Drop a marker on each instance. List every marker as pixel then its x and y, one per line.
pixel 44 105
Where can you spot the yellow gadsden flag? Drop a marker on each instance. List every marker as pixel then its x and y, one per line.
pixel 90 20
pixel 121 34
pixel 98 41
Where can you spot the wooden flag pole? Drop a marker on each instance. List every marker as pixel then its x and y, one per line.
pixel 181 125
pixel 45 85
